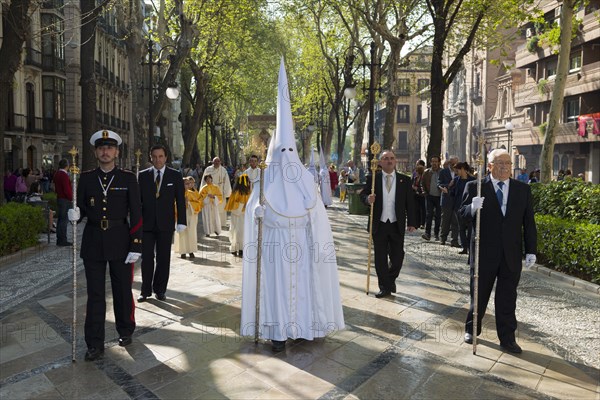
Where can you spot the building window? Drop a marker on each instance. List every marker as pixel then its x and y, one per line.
pixel 54 104
pixel 403 87
pixel 555 164
pixel 551 70
pixel 564 162
pixel 419 111
pixel 422 84
pixel 403 113
pixel 402 140
pixel 53 55
pixel 575 62
pixel 571 109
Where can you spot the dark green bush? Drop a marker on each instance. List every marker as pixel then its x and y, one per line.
pixel 20 225
pixel 570 199
pixel 570 247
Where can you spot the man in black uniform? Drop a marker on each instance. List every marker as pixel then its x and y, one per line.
pixel 110 198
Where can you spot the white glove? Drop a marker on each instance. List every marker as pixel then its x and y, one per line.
pixel 476 204
pixel 74 214
pixel 132 258
pixel 259 212
pixel 530 259
pixel 180 228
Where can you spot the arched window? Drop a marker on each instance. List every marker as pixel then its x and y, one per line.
pixel 555 164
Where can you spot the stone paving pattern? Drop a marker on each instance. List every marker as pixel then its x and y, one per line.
pixel 188 347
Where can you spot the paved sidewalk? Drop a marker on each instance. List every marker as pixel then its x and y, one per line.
pixel 189 347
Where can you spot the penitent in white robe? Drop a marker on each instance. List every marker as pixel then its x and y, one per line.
pixel 211 220
pixel 299 296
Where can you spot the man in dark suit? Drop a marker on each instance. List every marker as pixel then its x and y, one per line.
pixel 110 198
pixel 506 222
pixel 162 192
pixel 393 207
pixel 449 220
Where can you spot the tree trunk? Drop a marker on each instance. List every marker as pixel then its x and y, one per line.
pixel 16 28
pixel 438 87
pixel 89 124
pixel 558 93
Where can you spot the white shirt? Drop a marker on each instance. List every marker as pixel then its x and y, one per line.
pixel 504 192
pixel 162 175
pixel 388 211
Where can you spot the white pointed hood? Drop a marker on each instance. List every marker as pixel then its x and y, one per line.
pixel 289 188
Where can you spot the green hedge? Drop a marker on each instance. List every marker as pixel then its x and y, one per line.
pixel 20 225
pixel 570 247
pixel 570 199
pixel 51 198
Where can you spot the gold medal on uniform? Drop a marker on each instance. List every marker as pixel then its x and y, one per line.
pixel 92 201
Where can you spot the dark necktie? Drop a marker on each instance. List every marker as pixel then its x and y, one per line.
pixel 157 182
pixel 499 193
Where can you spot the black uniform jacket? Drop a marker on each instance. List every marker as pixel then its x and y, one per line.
pixel 111 202
pixel 159 212
pixel 502 234
pixel 404 201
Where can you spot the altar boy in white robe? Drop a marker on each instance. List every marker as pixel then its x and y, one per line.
pixel 299 285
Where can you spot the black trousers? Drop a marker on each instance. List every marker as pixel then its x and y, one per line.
pixel 63 220
pixel 121 277
pixel 388 243
pixel 156 279
pixel 505 299
pixel 434 211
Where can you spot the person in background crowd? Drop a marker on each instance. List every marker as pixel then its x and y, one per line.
pixel 110 199
pixel 162 193
pixel 64 200
pixel 352 172
pixel 253 171
pixel 333 179
pixel 237 206
pixel 457 189
pixel 533 177
pixel 33 176
pixel 186 242
pixel 449 221
pixel 211 197
pixel 419 194
pixel 568 174
pixel 432 198
pixel 342 185
pixel 523 176
pixel 197 175
pixel 561 175
pixel 10 182
pixel 45 180
pixel 221 179
pixel 21 188
pixel 393 213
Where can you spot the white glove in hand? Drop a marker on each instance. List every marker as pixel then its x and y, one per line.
pixel 530 259
pixel 259 212
pixel 476 204
pixel 132 258
pixel 180 228
pixel 74 214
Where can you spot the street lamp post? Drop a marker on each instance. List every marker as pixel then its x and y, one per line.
pixel 509 130
pixel 350 93
pixel 172 91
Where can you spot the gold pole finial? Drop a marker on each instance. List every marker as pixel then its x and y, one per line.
pixel 74 152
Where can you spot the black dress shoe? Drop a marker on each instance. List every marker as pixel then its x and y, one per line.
pixel 124 341
pixel 511 347
pixel 64 244
pixel 383 293
pixel 183 256
pixel 393 288
pixel 455 244
pixel 142 298
pixel 161 296
pixel 93 354
pixel 468 338
pixel 278 345
pixel 192 255
pixel 463 251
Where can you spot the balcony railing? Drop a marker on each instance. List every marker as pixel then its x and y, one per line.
pixel 15 122
pixel 35 124
pixel 53 64
pixel 52 125
pixel 33 57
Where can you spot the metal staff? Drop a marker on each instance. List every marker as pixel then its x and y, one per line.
pixel 375 149
pixel 138 154
pixel 74 171
pixel 261 201
pixel 480 169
